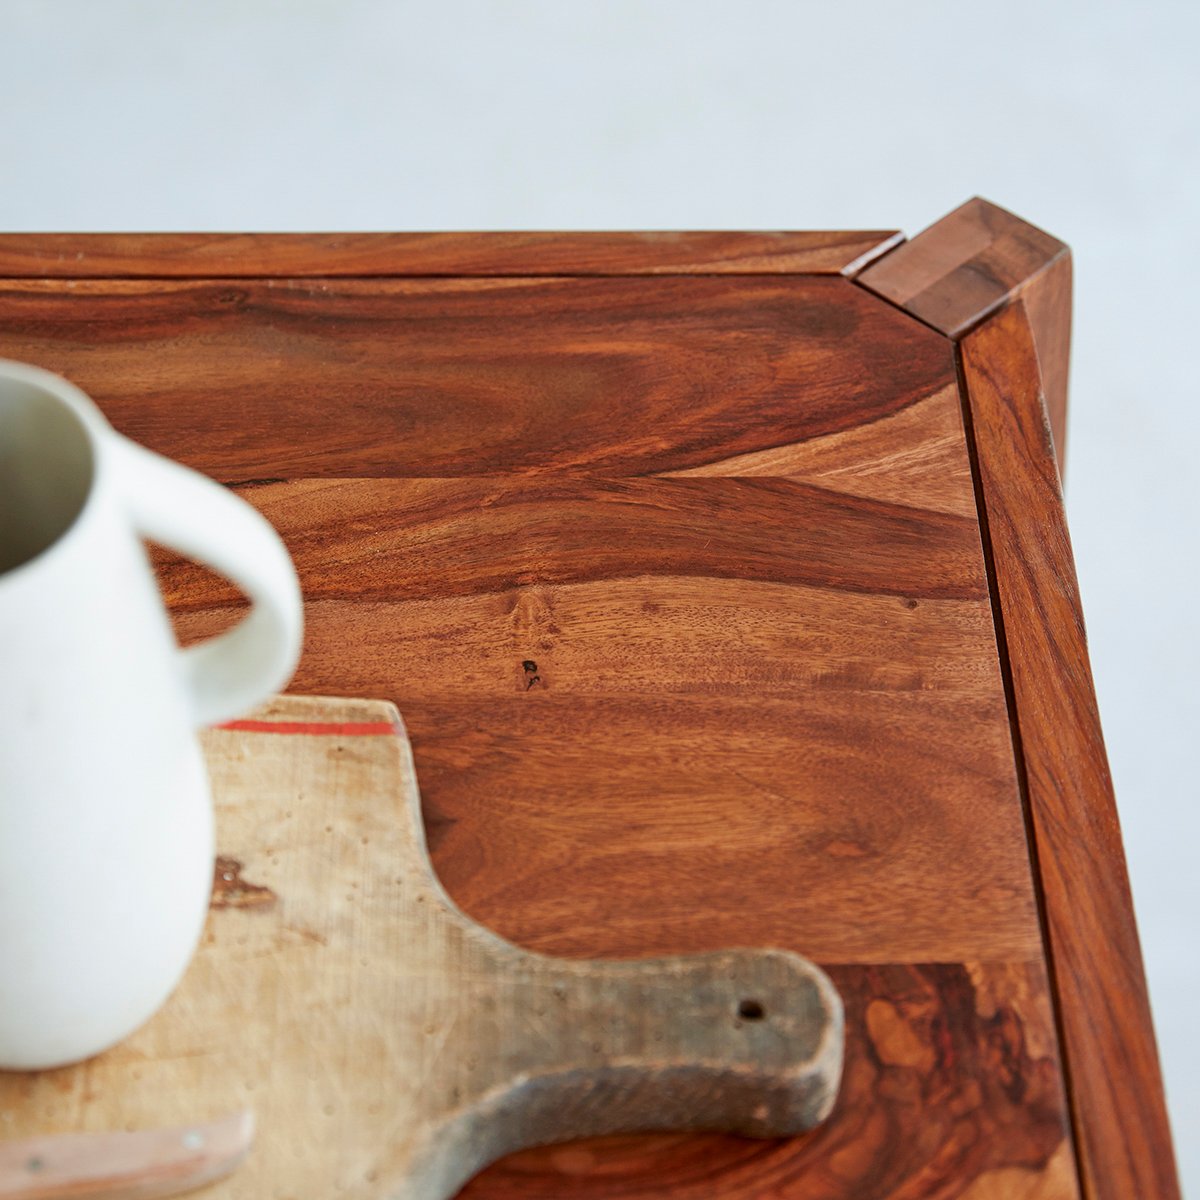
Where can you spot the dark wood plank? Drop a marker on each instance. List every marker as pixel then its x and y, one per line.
pixel 455 377
pixel 1115 1083
pixel 246 256
pixel 971 263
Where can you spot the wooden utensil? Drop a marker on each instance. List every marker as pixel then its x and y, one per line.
pixel 390 1045
pixel 137 1165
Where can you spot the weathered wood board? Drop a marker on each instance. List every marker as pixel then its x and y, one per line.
pixel 389 1045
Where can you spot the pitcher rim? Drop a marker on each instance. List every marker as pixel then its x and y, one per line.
pixel 93 425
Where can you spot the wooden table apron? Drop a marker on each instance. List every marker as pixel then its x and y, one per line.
pixel 669 551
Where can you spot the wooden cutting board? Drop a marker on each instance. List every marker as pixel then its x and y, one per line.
pixel 390 1046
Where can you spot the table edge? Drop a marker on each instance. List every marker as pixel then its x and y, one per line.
pixel 1033 313
pixel 1014 406
pixel 469 254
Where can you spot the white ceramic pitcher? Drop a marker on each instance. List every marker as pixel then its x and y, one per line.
pixel 106 840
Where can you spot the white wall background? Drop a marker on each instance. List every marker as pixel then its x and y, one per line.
pixel 468 114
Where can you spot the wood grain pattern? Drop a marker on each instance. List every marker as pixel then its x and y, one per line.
pixel 246 256
pixel 464 377
pixel 390 1046
pixel 963 267
pixel 1116 1087
pixel 972 262
pixel 1047 300
pixel 410 539
pixel 701 650
pixel 911 458
pixel 756 701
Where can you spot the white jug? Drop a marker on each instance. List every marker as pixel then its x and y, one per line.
pixel 106 838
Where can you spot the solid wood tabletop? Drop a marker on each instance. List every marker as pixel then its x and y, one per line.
pixel 681 583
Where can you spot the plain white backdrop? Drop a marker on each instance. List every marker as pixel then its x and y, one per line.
pixel 677 114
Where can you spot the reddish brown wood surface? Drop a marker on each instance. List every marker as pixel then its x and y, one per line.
pixel 241 255
pixel 972 262
pixel 679 584
pixel 1121 1121
pixel 698 649
pixel 289 379
pixel 1047 300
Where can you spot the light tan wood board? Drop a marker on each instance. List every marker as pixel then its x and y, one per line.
pixel 389 1045
pixel 143 1164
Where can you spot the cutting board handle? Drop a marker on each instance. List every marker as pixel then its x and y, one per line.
pixel 744 1041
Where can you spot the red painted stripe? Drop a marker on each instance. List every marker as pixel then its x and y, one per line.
pixel 321 728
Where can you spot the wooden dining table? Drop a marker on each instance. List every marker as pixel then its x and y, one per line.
pixel 724 585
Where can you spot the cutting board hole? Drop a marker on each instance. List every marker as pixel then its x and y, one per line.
pixel 751 1010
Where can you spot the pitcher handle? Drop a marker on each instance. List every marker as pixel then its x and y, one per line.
pixel 186 511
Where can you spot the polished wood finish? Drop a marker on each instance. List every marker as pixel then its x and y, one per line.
pixel 912 458
pixel 245 256
pixel 1120 1117
pixel 702 661
pixel 679 583
pixel 963 267
pixel 1047 301
pixel 971 263
pixel 389 1045
pixel 302 378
